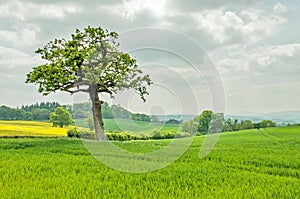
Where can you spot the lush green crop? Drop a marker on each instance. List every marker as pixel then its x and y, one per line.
pixel 245 164
pixel 132 126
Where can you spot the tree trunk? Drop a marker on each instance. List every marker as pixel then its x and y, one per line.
pixel 97 113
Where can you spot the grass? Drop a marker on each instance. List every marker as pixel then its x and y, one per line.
pixel 134 127
pixel 246 164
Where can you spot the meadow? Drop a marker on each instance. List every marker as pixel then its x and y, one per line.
pixel 261 163
pixel 132 126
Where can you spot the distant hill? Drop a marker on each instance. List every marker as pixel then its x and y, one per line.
pixel 175 117
pixel 281 118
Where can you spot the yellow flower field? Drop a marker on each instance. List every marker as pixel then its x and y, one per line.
pixel 30 128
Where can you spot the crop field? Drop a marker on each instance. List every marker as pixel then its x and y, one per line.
pixel 134 127
pixel 261 163
pixel 30 128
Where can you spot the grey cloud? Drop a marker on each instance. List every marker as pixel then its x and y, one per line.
pixel 199 5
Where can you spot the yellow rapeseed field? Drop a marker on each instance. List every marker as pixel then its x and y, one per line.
pixel 30 128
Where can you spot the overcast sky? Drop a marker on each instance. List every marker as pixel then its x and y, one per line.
pixel 253 45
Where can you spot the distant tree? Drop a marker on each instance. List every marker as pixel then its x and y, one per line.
pixel 40 114
pixel 5 113
pixel 247 124
pixel 90 122
pixel 204 121
pixel 61 117
pixel 173 121
pixel 141 117
pixel 190 126
pixel 154 118
pixel 228 125
pixel 256 126
pixel 89 62
pixel 106 111
pixel 267 123
pixel 216 123
pixel 120 112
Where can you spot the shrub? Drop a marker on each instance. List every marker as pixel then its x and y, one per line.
pixel 86 134
pixel 72 133
pixel 163 135
pixel 116 136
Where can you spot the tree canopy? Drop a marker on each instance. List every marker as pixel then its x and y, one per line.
pixel 61 117
pixel 89 62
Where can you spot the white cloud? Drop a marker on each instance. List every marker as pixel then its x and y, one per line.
pixel 20 37
pixel 260 24
pixel 248 26
pixel 24 11
pixel 242 37
pixel 130 8
pixel 219 23
pixel 11 58
pixel 259 59
pixel 279 8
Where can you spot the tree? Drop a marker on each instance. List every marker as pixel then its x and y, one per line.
pixel 61 117
pixel 40 114
pixel 90 122
pixel 190 126
pixel 204 121
pixel 247 124
pixel 89 62
pixel 267 123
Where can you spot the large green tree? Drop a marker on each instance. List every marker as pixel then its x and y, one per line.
pixel 89 62
pixel 61 117
pixel 204 121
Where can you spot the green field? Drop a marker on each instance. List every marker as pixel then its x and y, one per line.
pixel 132 126
pixel 246 164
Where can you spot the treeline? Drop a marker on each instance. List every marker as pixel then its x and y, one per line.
pixel 83 110
pixel 41 112
pixel 210 122
pixel 37 111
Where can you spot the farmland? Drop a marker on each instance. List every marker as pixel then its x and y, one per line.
pixel 132 126
pixel 30 128
pixel 246 164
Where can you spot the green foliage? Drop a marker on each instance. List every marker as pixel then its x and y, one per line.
pixel 190 126
pixel 212 122
pixel 120 112
pixel 38 111
pixel 90 58
pixel 106 111
pixel 115 136
pixel 39 114
pixel 90 122
pixel 173 121
pixel 246 164
pixel 61 117
pixel 204 121
pixel 141 117
pixel 72 133
pixel 267 123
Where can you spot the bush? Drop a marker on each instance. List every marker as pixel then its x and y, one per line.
pixel 72 133
pixel 86 134
pixel 80 134
pixel 116 136
pixel 163 135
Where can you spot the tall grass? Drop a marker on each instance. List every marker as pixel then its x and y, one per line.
pixel 246 164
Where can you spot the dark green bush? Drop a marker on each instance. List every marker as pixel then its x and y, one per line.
pixel 86 134
pixel 72 133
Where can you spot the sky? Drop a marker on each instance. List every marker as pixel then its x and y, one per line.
pixel 229 56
